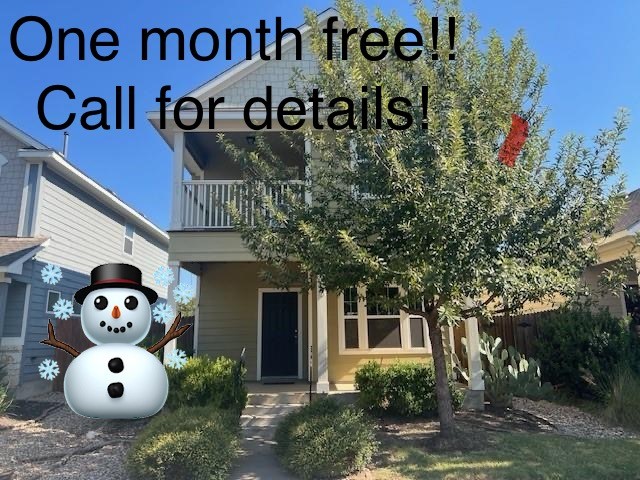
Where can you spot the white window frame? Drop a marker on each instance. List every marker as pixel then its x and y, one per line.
pixel 3 162
pixel 132 238
pixel 46 306
pixel 363 331
pixel 19 341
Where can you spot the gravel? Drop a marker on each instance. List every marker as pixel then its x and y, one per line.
pixel 571 421
pixel 63 445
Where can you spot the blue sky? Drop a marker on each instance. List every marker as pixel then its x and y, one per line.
pixel 589 49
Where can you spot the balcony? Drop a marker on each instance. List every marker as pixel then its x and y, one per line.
pixel 203 203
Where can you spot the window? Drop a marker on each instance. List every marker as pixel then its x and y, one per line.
pixel 367 325
pixel 30 208
pixel 76 307
pixel 129 232
pixel 52 298
pixel 3 162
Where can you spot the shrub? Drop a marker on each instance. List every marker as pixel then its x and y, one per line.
pixel 325 440
pixel 578 349
pixel 622 398
pixel 403 389
pixel 189 443
pixel 5 396
pixel 203 381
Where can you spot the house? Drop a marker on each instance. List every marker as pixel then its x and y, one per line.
pixel 52 213
pixel 316 336
pixel 614 247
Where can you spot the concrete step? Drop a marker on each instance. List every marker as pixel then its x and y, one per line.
pixel 284 398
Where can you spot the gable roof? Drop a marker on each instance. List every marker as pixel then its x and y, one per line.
pixel 14 251
pixel 631 214
pixel 36 150
pixel 244 67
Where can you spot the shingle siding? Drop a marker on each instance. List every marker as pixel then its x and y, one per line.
pixel 11 185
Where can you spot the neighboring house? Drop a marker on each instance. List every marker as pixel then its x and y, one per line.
pixel 284 332
pixel 50 212
pixel 614 247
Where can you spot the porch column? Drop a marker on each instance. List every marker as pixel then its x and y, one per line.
pixel 4 290
pixel 322 356
pixel 474 398
pixel 171 301
pixel 176 178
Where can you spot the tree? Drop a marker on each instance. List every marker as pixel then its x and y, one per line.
pixel 434 211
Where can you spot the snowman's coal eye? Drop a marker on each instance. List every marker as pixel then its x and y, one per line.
pixel 131 303
pixel 100 302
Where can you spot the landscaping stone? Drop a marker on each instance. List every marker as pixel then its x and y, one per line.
pixel 569 420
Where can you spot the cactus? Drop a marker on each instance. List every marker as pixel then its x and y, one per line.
pixel 507 373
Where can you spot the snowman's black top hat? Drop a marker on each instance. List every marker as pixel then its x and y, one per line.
pixel 116 275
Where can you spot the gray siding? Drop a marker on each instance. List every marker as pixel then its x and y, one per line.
pixel 84 233
pixel 11 184
pixel 14 310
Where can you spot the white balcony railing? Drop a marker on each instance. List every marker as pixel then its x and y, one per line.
pixel 204 202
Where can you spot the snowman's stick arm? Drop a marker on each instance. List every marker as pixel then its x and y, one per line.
pixel 173 333
pixel 54 342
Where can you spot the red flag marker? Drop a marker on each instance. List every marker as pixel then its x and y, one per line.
pixel 514 142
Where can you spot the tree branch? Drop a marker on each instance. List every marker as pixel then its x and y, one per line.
pixel 54 342
pixel 173 333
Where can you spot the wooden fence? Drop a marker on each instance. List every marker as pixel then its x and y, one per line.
pixel 518 331
pixel 70 331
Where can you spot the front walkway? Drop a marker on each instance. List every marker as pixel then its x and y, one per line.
pixel 259 420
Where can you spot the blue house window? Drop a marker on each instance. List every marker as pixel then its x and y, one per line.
pixel 129 232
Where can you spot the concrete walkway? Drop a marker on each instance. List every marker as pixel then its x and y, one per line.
pixel 263 412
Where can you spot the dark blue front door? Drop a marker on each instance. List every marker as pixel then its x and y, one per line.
pixel 280 334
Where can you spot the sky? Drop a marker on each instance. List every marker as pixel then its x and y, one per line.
pixel 589 48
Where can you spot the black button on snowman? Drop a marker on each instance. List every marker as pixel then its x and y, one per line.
pixel 116 379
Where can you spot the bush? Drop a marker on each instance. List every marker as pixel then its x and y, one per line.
pixel 325 440
pixel 403 389
pixel 5 397
pixel 189 443
pixel 203 381
pixel 578 349
pixel 622 398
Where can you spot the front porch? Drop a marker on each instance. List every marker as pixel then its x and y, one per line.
pixel 292 338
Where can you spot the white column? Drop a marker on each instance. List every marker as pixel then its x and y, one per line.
pixel 322 356
pixel 196 320
pixel 171 301
pixel 473 354
pixel 177 172
pixel 310 335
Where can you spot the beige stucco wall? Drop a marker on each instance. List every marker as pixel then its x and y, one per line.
pixel 615 303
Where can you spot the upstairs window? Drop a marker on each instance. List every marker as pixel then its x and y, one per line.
pixel 129 232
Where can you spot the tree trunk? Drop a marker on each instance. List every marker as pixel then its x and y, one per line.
pixel 445 405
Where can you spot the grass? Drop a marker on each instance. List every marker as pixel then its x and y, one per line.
pixel 520 456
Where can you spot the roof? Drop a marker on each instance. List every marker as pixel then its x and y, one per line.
pixel 61 165
pixel 14 251
pixel 631 214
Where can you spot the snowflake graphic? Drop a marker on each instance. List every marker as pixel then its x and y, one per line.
pixel 63 309
pixel 48 369
pixel 163 276
pixel 163 313
pixel 183 293
pixel 176 359
pixel 51 274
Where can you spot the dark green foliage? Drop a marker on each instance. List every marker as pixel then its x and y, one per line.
pixel 579 349
pixel 325 440
pixel 622 398
pixel 403 389
pixel 5 396
pixel 189 443
pixel 203 381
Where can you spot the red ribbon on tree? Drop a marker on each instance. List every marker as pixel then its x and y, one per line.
pixel 514 142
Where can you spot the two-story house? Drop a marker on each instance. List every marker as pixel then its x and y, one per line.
pixel 52 213
pixel 319 336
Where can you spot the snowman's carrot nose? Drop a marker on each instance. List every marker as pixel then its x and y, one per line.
pixel 115 313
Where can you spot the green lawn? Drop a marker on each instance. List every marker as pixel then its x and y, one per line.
pixel 518 456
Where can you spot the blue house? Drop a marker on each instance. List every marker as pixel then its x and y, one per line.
pixel 52 213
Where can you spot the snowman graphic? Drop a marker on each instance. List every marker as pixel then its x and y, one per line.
pixel 116 378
